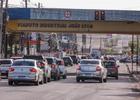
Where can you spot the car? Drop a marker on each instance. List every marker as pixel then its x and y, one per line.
pixel 91 69
pixel 55 72
pixel 67 61
pixel 46 71
pixel 112 68
pixel 43 65
pixel 74 59
pixel 62 68
pixel 25 70
pixel 4 66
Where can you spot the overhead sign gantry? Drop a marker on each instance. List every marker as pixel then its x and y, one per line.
pixel 73 20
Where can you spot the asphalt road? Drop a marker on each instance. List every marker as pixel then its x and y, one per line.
pixel 70 90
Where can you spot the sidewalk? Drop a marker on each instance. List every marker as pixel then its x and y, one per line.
pixel 135 74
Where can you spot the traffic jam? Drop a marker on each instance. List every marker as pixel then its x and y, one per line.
pixel 37 69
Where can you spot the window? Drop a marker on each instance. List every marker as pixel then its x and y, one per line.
pixel 23 63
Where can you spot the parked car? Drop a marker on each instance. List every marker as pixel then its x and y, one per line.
pixel 62 68
pixel 43 65
pixel 112 68
pixel 4 66
pixel 91 69
pixel 25 70
pixel 55 72
pixel 68 61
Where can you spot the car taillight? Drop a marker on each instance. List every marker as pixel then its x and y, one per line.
pixel 42 64
pixel 98 68
pixel 11 69
pixel 33 70
pixel 53 65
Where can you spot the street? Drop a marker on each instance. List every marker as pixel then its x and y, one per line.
pixel 70 90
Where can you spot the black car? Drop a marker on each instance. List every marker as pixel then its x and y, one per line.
pixel 68 61
pixel 75 59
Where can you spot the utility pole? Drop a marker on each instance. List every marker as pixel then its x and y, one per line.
pixel 27 35
pixel 132 52
pixel 26 3
pixel 90 43
pixel 137 59
pixel 5 35
pixel 1 28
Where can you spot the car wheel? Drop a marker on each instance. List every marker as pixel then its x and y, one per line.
pixel 83 80
pixel 49 79
pixel 101 80
pixel 45 80
pixel 42 81
pixel 10 83
pixel 37 83
pixel 77 80
pixel 55 78
pixel 58 77
pixel 15 83
pixel 64 76
pixel 105 80
pixel 116 77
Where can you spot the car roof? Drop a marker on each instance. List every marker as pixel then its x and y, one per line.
pixel 7 59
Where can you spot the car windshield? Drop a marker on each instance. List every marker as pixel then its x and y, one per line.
pixel 89 62
pixel 23 63
pixel 66 58
pixel 5 62
pixel 49 60
pixel 109 64
pixel 33 57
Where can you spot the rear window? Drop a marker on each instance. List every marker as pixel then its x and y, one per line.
pixel 109 64
pixel 23 63
pixel 89 62
pixel 5 62
pixel 33 57
pixel 49 60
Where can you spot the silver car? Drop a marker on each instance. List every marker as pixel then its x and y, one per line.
pixel 91 69
pixel 25 70
pixel 4 66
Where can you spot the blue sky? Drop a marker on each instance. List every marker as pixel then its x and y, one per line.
pixel 84 4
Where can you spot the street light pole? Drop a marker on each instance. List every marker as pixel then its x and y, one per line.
pixel 137 59
pixel 132 51
pixel 1 24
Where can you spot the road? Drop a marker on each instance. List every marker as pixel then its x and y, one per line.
pixel 70 90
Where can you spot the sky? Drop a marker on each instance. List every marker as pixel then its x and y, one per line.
pixel 83 4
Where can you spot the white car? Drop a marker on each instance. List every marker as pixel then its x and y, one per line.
pixel 5 64
pixel 91 69
pixel 25 70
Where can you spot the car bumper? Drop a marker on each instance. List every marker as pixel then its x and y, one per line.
pixel 89 76
pixel 23 80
